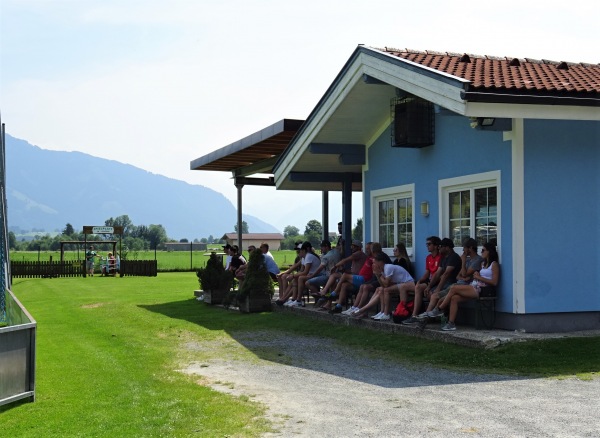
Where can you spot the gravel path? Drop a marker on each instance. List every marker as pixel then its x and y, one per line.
pixel 315 388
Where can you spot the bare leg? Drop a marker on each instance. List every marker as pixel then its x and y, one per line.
pixel 419 292
pixel 372 303
pixel 363 295
pixel 330 282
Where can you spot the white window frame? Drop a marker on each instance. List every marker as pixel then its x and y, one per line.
pixel 468 182
pixel 388 194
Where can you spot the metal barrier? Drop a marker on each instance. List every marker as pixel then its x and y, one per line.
pixel 17 353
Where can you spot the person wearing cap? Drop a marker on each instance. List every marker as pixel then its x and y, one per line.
pixel 427 281
pixel 284 278
pixel 357 258
pixel 226 249
pixel 237 259
pixel 319 278
pixel 310 263
pixel 450 267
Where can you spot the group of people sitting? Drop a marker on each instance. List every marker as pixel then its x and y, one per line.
pixel 238 264
pixel 373 279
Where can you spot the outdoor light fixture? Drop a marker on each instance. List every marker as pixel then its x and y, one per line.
pixel 425 208
pixel 486 121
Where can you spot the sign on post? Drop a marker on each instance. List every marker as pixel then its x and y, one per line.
pixel 89 229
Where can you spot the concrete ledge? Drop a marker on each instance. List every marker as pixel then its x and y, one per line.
pixel 466 336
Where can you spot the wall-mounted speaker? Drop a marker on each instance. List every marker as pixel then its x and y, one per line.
pixel 413 122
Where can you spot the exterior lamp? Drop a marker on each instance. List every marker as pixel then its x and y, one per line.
pixel 425 208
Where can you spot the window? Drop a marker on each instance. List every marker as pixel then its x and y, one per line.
pixel 393 221
pixel 470 208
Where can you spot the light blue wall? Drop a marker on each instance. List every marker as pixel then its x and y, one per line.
pixel 562 222
pixel 459 150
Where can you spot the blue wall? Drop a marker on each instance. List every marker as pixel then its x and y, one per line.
pixel 562 223
pixel 459 150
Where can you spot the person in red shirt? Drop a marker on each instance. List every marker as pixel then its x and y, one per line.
pixel 421 288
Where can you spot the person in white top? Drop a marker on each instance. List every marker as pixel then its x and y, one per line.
pixel 310 264
pixel 488 275
pixel 391 277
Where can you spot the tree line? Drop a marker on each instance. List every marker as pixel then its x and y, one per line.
pixel 149 237
pixel 134 238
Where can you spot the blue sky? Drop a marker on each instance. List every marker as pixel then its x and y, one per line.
pixel 157 84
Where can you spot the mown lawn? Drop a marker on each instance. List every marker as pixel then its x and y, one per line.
pixel 109 351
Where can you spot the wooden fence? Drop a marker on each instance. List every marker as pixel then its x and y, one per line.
pixel 47 269
pixel 51 269
pixel 140 268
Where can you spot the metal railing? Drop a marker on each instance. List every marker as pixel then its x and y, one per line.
pixel 17 353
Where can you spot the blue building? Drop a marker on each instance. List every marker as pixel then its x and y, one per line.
pixel 458 146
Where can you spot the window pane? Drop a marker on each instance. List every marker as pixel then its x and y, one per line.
pixel 460 216
pixel 405 222
pixel 386 223
pixel 486 214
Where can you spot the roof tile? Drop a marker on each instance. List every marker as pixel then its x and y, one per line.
pixel 515 75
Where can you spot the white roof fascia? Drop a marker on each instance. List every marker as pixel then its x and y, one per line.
pixel 438 92
pixel 532 111
pixel 424 86
pixel 318 120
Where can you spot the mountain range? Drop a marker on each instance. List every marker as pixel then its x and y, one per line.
pixel 48 189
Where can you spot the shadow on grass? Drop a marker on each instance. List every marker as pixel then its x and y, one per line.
pixel 311 345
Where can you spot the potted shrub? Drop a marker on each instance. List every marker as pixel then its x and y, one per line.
pixel 257 290
pixel 214 280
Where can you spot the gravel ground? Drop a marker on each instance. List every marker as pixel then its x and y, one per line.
pixel 315 388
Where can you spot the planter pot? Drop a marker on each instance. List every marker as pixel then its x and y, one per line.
pixel 215 296
pixel 261 303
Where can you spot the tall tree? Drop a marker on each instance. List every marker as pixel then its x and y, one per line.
pixel 244 227
pixel 156 235
pixel 314 226
pixel 357 232
pixel 69 230
pixel 290 231
pixel 121 221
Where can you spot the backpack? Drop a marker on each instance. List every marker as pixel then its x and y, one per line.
pixel 403 311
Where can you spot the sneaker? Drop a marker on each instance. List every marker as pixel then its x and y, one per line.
pixel 295 303
pixel 384 318
pixel 377 316
pixel 449 327
pixel 336 309
pixel 435 313
pixel 348 311
pixel 280 303
pixel 410 321
pixel 423 315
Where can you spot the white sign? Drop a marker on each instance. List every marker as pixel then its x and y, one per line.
pixel 103 230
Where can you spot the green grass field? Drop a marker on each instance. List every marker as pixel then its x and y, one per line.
pixel 167 261
pixel 109 351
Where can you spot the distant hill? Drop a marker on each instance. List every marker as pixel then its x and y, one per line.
pixel 48 189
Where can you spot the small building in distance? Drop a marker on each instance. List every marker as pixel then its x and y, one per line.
pixel 185 246
pixel 272 239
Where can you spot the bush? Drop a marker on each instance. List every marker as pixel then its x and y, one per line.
pixel 257 281
pixel 214 276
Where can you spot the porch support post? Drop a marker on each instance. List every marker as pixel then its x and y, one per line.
pixel 239 214
pixel 347 212
pixel 325 213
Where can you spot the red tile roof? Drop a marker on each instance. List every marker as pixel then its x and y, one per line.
pixel 511 75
